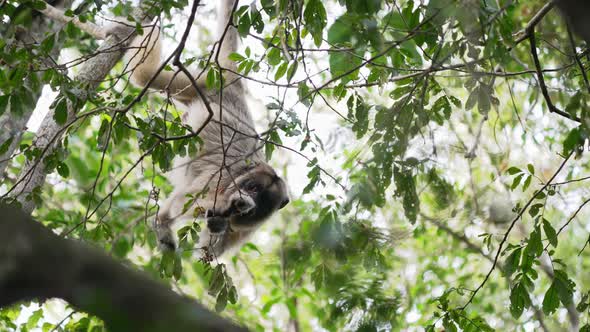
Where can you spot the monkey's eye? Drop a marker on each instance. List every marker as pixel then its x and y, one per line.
pixel 252 187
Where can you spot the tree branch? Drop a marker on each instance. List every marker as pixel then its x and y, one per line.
pixel 89 78
pixel 88 27
pixel 530 27
pixel 552 107
pixel 37 264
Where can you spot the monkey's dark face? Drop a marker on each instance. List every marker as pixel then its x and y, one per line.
pixel 258 193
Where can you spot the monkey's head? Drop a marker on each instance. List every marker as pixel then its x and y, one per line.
pixel 255 195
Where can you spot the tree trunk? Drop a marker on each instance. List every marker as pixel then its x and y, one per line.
pixel 577 13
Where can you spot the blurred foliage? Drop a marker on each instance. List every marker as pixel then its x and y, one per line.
pixel 438 168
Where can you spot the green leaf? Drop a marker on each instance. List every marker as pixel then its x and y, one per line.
pixel 472 99
pixel 274 56
pixel 121 247
pixel 211 81
pixel 315 19
pixel 574 139
pixel 319 276
pixel 244 25
pixel 48 43
pixel 565 286
pixel 527 182
pixel 177 272
pixel 104 132
pixel 3 103
pixel 516 181
pixel 364 6
pixel 512 262
pixel 63 170
pixel 551 300
pixel 249 246
pixel 39 5
pixel 167 264
pixel 343 63
pixel 257 22
pixel 550 232
pixel 16 105
pixel 303 94
pixel 222 298
pixel 292 70
pixel 535 209
pixel 513 170
pixel 269 147
pixel 34 319
pixel 531 169
pixel 61 111
pixel 236 57
pixel 535 244
pixel 217 280
pixel 519 300
pixel 449 325
pixel 281 70
pixel 406 188
pixel 4 146
pixel 483 101
pixel 583 304
pixel 233 295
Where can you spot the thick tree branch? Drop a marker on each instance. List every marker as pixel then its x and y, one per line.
pixel 530 27
pixel 88 27
pixel 37 264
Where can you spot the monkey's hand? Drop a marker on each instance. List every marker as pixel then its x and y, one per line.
pixel 217 222
pixel 217 225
